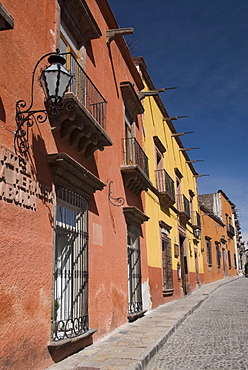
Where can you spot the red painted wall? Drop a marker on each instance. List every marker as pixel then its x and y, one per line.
pixel 108 262
pixel 26 243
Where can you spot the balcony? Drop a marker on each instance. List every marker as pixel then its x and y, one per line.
pixel 196 223
pixel 196 219
pixel 81 117
pixel 165 187
pixel 230 230
pixel 135 168
pixel 183 208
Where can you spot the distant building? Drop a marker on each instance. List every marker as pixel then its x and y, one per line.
pixel 220 252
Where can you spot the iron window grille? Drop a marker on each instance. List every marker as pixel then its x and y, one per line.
pixel 71 265
pixel 134 271
pixel 167 263
pixel 218 254
pixel 229 259
pixel 209 252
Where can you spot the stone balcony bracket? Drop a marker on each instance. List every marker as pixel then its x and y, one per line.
pixel 75 124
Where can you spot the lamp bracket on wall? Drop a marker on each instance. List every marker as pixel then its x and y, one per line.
pixel 111 34
pixel 26 117
pixel 117 202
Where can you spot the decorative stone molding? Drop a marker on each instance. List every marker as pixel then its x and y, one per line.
pixel 68 172
pixel 178 173
pixel 62 349
pixel 134 215
pixel 130 98
pixel 79 127
pixel 79 20
pixel 159 144
pixel 6 20
pixel 166 200
pixel 135 179
pixel 165 225
pixel 183 217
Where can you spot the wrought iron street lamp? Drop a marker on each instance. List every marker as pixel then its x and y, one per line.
pixel 197 233
pixel 55 80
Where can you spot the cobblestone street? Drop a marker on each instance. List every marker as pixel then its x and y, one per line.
pixel 215 336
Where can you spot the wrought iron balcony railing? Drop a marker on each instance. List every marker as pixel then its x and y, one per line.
pixel 86 91
pixel 135 155
pixel 164 183
pixel 230 229
pixel 183 205
pixel 196 219
pixel 80 118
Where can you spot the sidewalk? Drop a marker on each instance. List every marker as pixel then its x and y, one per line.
pixel 133 344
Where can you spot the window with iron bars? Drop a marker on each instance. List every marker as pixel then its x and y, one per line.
pixel 71 265
pixel 229 259
pixel 209 251
pixel 134 270
pixel 167 263
pixel 218 254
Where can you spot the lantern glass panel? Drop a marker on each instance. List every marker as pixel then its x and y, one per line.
pixel 55 80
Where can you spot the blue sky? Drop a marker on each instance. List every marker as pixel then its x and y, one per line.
pixel 202 48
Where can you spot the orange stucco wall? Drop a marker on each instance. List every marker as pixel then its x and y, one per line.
pixel 217 231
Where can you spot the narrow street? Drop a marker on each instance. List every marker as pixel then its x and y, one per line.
pixel 215 336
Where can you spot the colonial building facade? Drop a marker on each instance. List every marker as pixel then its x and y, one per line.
pixel 173 232
pixel 73 174
pixel 219 243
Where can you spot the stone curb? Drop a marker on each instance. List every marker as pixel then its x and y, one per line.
pixel 153 349
pixel 190 303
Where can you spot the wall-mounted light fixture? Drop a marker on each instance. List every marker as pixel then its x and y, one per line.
pixel 223 239
pixel 117 202
pixel 181 133
pixel 144 94
pixel 197 233
pixel 111 34
pixel 55 80
pixel 173 118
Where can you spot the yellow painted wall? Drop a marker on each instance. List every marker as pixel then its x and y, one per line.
pixel 173 158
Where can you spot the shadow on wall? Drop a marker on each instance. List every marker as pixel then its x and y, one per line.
pixel 2 111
